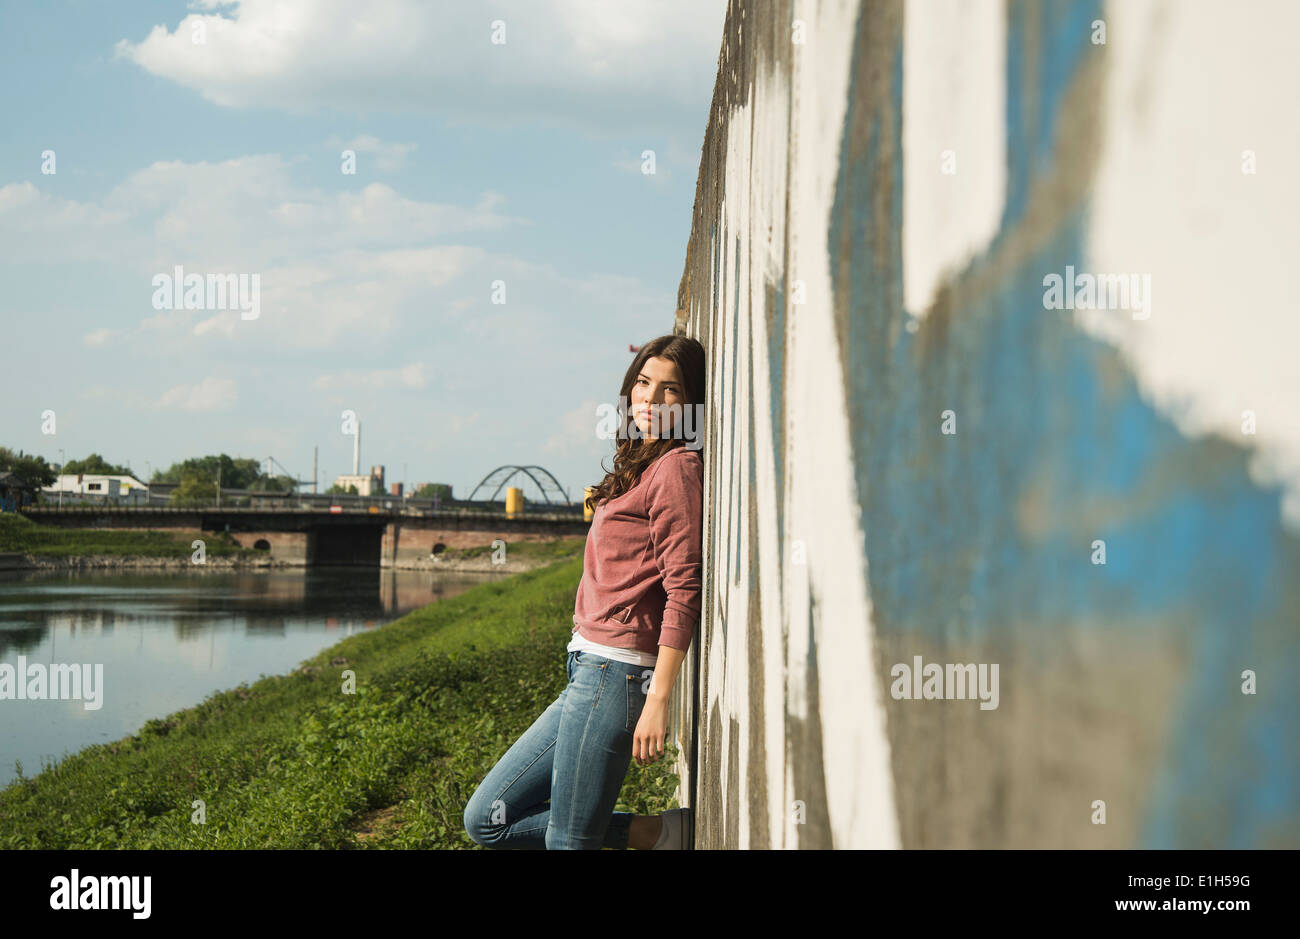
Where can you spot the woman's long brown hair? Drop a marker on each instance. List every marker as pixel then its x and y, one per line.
pixel 633 453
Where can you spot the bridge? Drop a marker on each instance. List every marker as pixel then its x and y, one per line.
pixel 321 535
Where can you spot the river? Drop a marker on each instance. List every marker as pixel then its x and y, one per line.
pixel 167 640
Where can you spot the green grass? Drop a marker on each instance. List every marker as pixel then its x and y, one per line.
pixel 21 535
pixel 292 762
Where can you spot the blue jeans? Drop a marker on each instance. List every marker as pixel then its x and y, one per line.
pixel 575 754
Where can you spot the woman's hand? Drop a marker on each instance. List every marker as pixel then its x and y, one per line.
pixel 648 740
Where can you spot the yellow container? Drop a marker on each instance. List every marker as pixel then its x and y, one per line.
pixel 587 511
pixel 514 501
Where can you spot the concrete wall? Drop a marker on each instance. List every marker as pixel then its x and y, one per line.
pixel 281 545
pixel 410 542
pixel 912 454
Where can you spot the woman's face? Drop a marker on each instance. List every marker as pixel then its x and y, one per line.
pixel 658 385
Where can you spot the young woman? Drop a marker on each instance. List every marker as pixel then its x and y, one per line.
pixel 636 610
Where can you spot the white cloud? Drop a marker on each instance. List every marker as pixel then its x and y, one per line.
pixel 586 61
pixel 98 337
pixel 333 267
pixel 234 214
pixel 211 394
pixel 37 226
pixel 255 204
pixel 328 262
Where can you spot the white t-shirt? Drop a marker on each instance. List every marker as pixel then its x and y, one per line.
pixel 579 642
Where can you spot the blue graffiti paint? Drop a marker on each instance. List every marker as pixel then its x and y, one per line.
pixel 1033 103
pixel 988 533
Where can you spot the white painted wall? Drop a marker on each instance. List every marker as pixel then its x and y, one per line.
pixel 1191 85
pixel 954 139
pixel 821 504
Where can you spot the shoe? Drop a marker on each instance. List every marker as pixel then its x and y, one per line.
pixel 678 832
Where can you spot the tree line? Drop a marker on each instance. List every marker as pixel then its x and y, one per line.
pixel 196 479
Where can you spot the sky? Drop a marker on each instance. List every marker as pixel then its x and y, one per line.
pixel 469 290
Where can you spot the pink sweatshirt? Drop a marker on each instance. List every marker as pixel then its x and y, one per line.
pixel 641 574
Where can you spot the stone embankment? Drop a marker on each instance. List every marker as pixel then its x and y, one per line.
pixel 482 564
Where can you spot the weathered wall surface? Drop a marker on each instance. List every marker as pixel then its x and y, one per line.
pixel 911 454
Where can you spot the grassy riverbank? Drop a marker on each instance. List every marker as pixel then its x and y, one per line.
pixel 292 762
pixel 20 535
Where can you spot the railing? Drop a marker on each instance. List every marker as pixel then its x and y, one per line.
pixel 282 507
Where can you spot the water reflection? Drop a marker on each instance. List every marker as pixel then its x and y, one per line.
pixel 169 639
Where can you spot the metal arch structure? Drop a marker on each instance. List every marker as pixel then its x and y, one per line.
pixel 503 474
